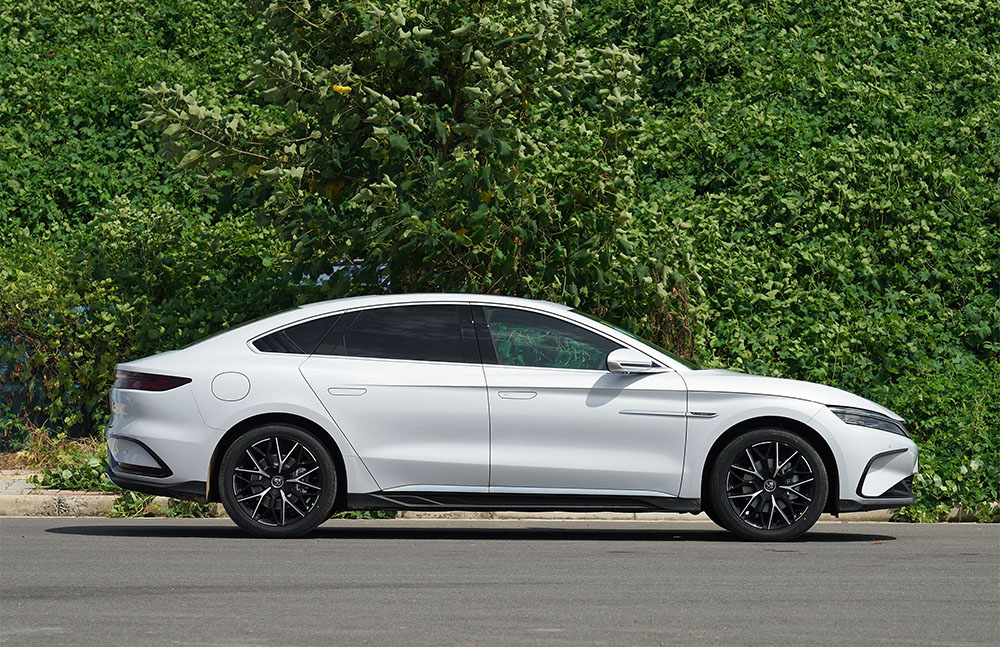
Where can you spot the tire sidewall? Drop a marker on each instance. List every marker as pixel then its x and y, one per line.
pixel 320 512
pixel 728 517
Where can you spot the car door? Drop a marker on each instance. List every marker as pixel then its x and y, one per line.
pixel 406 387
pixel 561 423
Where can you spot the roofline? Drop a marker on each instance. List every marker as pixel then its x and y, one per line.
pixel 347 303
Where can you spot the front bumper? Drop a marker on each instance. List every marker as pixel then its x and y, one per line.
pixel 875 468
pixel 886 482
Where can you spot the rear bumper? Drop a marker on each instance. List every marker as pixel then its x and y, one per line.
pixel 159 438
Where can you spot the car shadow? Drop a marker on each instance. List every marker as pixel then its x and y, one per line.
pixel 388 530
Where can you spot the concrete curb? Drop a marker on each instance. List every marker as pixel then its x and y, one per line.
pixel 77 504
pixel 55 505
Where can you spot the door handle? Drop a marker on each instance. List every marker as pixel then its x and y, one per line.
pixel 516 395
pixel 346 391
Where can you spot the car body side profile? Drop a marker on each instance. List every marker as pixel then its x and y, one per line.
pixel 469 402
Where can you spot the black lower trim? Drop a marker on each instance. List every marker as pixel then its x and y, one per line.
pixel 187 490
pixel 846 505
pixel 477 502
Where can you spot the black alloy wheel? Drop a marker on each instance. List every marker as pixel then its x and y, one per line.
pixel 768 485
pixel 278 481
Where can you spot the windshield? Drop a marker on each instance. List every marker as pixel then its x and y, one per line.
pixel 663 350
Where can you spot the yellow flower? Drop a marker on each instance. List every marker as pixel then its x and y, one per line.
pixel 342 89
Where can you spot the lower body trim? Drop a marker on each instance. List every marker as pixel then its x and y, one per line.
pixel 471 502
pixel 187 490
pixel 846 505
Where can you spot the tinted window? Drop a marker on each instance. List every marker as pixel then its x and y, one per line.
pixel 301 338
pixel 679 360
pixel 524 338
pixel 431 333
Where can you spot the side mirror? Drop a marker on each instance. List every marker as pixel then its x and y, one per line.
pixel 626 360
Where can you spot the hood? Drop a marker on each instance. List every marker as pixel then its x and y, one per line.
pixel 723 381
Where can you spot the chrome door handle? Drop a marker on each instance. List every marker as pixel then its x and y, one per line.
pixel 516 395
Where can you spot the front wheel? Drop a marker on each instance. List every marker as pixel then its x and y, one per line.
pixel 278 481
pixel 768 485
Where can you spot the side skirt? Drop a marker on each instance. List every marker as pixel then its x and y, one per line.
pixel 443 501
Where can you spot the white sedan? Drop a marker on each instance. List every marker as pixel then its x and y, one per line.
pixel 467 402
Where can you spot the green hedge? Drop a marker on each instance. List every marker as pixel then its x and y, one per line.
pixel 818 180
pixel 70 71
pixel 132 282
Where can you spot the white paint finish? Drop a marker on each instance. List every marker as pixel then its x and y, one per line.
pixel 201 419
pixel 230 386
pixel 572 435
pixel 169 424
pixel 733 408
pixel 421 425
pixel 628 360
pixel 721 381
pixel 417 423
pixel 359 479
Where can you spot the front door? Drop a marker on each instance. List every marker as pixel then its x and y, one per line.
pixel 561 423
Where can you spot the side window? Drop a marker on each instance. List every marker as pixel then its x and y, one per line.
pixel 524 338
pixel 300 339
pixel 430 333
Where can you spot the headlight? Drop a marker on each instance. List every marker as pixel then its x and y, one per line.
pixel 864 418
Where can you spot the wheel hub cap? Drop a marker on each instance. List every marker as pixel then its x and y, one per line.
pixel 277 481
pixel 770 485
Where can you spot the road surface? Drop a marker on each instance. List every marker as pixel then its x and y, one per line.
pixel 392 582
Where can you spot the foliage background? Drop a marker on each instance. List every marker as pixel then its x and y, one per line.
pixel 802 189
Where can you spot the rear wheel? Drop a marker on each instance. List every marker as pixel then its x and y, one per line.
pixel 768 485
pixel 278 481
pixel 711 514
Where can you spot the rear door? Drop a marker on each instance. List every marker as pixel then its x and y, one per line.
pixel 406 387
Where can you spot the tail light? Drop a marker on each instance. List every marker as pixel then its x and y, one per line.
pixel 148 381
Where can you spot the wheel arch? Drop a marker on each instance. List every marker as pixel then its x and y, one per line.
pixel 797 427
pixel 306 424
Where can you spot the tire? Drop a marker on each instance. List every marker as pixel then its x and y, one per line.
pixel 278 481
pixel 768 485
pixel 710 513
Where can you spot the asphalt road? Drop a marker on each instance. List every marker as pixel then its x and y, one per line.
pixel 200 582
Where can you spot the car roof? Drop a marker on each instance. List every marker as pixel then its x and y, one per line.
pixel 316 309
pixel 347 303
